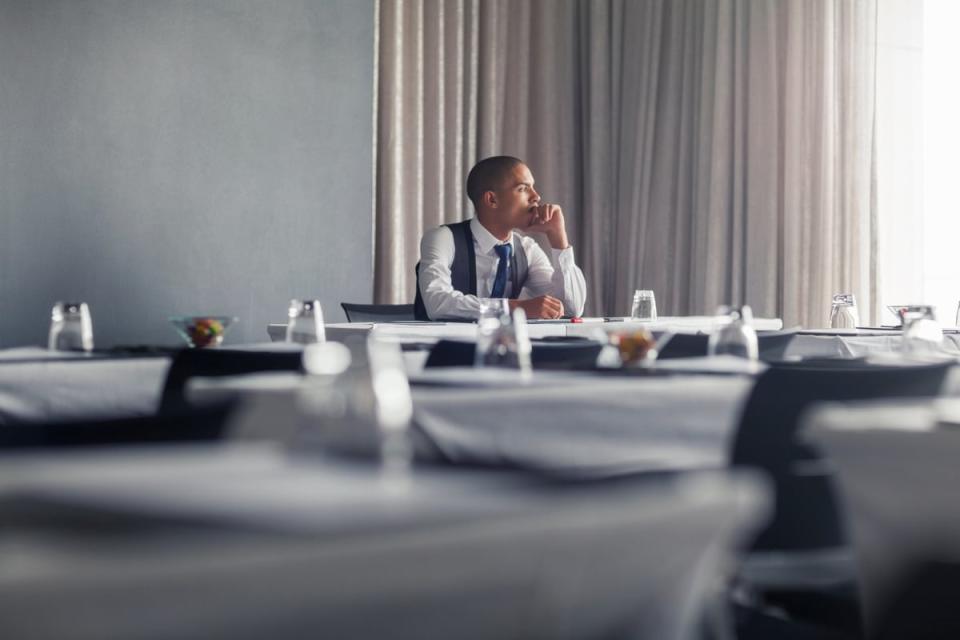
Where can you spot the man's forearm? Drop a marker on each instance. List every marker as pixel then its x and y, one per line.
pixel 558 239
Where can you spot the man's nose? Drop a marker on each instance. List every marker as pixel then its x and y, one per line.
pixel 536 196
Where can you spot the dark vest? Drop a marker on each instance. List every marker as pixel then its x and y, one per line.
pixel 463 271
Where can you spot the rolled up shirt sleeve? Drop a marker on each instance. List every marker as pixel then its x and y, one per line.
pixel 557 275
pixel 440 299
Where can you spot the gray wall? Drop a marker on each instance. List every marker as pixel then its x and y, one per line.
pixel 161 157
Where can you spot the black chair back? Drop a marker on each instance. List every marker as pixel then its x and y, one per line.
pixel 378 312
pixel 201 424
pixel 190 363
pixel 772 345
pixel 573 354
pixel 451 353
pixel 897 475
pixel 685 345
pixel 805 511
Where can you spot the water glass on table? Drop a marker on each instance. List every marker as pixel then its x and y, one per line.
pixel 843 312
pixel 502 337
pixel 71 328
pixel 921 331
pixel 644 305
pixel 394 410
pixel 734 334
pixel 305 322
pixel 356 400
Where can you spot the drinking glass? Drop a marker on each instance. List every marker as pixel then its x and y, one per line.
pixel 921 331
pixel 71 328
pixel 356 401
pixel 502 337
pixel 394 410
pixel 734 334
pixel 644 305
pixel 305 322
pixel 843 312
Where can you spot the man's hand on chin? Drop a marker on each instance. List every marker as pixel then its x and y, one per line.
pixel 548 219
pixel 539 308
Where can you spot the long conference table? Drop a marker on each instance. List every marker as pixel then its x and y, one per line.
pixel 807 343
pixel 537 329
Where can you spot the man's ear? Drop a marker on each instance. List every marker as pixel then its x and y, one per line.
pixel 490 199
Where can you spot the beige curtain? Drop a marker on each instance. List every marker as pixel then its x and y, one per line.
pixel 715 151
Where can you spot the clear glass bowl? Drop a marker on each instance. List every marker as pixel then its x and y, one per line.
pixel 637 348
pixel 896 310
pixel 202 331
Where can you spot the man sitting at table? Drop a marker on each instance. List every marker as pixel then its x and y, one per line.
pixel 463 264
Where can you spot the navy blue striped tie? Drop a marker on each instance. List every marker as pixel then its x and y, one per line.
pixel 500 281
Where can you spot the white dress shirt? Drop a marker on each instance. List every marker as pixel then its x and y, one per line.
pixel 557 275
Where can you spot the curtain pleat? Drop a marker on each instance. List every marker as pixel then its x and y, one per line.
pixel 715 151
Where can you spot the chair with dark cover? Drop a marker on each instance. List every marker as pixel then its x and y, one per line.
pixel 378 312
pixel 573 354
pixel 213 363
pixel 201 424
pixel 806 523
pixel 685 345
pixel 771 345
pixel 897 474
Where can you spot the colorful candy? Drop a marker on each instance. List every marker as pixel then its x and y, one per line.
pixel 205 332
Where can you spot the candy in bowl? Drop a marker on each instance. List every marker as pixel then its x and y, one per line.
pixel 202 331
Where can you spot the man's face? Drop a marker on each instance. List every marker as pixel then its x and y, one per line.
pixel 517 198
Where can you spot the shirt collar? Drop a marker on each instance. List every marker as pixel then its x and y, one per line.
pixel 485 240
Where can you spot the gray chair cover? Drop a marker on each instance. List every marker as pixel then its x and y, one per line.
pixel 898 475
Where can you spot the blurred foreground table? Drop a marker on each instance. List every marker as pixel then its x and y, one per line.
pixel 250 542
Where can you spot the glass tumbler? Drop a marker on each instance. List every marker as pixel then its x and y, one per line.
pixel 71 328
pixel 393 408
pixel 843 312
pixel 734 334
pixel 305 322
pixel 644 305
pixel 502 338
pixel 489 318
pixel 921 331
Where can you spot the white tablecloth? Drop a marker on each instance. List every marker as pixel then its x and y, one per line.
pixel 855 344
pixel 433 331
pixel 675 324
pixel 37 386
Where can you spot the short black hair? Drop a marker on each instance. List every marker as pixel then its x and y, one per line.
pixel 488 175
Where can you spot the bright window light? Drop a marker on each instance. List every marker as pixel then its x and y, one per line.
pixel 941 158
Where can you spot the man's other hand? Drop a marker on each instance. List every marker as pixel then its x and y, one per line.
pixel 539 308
pixel 548 219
